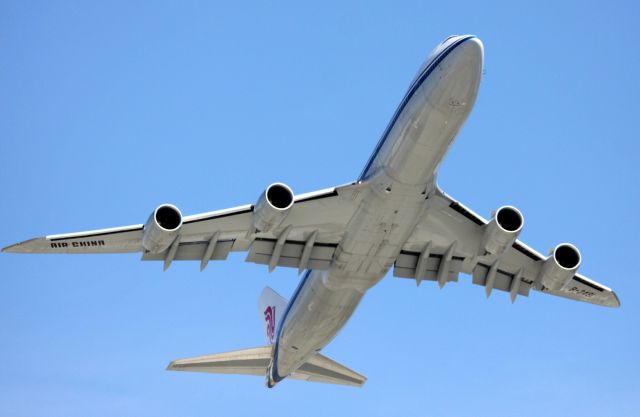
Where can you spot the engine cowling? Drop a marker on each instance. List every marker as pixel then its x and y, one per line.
pixel 501 231
pixel 162 228
pixel 560 266
pixel 272 207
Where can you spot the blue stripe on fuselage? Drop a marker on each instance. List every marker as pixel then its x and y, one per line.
pixel 274 369
pixel 412 89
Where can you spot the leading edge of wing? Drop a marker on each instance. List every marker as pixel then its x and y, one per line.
pixel 247 208
pixel 44 244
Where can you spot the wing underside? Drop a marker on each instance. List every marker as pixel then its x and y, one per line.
pixel 313 228
pixel 445 243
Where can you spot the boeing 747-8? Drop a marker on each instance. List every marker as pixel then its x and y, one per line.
pixel 345 239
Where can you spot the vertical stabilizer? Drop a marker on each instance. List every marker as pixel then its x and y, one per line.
pixel 271 307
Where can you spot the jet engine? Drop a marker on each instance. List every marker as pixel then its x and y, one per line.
pixel 501 231
pixel 162 228
pixel 272 207
pixel 560 266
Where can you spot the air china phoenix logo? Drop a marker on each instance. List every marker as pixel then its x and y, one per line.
pixel 270 318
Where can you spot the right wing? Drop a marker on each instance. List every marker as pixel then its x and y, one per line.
pixel 314 226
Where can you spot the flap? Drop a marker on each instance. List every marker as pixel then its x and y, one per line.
pixel 193 251
pixel 262 252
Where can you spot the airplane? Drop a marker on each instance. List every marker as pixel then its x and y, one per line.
pixel 344 240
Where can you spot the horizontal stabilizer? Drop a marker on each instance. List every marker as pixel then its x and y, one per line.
pixel 255 361
pixel 252 361
pixel 322 369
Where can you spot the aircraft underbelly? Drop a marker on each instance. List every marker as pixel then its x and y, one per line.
pixel 403 172
pixel 316 316
pixel 400 178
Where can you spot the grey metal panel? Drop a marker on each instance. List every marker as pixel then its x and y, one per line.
pixel 405 267
pixel 403 272
pixel 319 264
pixel 502 282
pixel 193 251
pixel 262 247
pixel 261 251
pixel 292 249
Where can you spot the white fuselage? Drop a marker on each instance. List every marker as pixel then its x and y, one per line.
pixel 398 178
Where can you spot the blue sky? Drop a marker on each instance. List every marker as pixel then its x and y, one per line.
pixel 107 110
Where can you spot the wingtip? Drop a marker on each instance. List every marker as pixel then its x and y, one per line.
pixel 617 303
pixel 10 248
pixel 15 248
pixel 178 364
pixel 20 247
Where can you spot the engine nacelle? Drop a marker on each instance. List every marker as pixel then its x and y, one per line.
pixel 272 207
pixel 501 231
pixel 560 266
pixel 162 228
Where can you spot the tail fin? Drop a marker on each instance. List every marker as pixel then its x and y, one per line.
pixel 256 361
pixel 271 306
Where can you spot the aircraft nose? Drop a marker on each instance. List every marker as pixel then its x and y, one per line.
pixel 472 49
pixel 462 71
pixel 468 59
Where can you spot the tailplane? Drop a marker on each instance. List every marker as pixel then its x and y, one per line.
pixel 256 361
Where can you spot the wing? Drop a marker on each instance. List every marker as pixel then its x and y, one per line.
pixel 446 242
pixel 307 238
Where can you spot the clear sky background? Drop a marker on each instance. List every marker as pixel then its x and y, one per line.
pixel 107 110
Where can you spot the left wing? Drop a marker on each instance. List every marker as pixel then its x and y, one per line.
pixel 306 238
pixel 447 241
